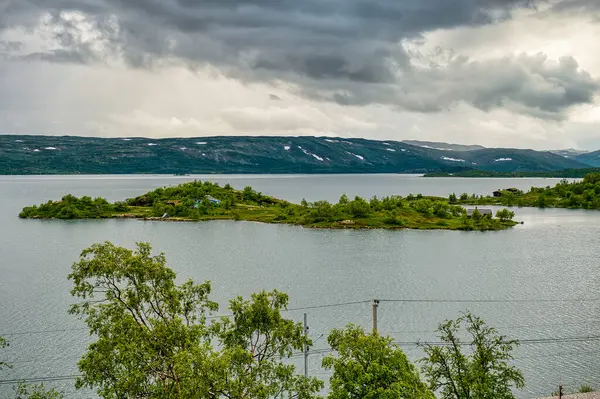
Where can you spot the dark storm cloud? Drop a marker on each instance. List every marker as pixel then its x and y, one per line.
pixel 578 5
pixel 346 51
pixel 313 37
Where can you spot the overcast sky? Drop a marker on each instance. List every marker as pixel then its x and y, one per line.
pixel 511 73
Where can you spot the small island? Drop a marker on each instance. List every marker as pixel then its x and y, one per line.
pixel 199 201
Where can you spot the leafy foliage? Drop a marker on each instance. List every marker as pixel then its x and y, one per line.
pixel 252 343
pixel 480 372
pixel 153 339
pixel 71 207
pixel 369 366
pixel 586 389
pixel 30 391
pixel 3 344
pixel 505 214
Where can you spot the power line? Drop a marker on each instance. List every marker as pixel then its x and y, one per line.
pixel 207 317
pixel 40 379
pixel 340 304
pixel 582 323
pixel 521 341
pixel 333 305
pixel 488 300
pixel 42 331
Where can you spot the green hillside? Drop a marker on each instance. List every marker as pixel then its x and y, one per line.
pixel 83 155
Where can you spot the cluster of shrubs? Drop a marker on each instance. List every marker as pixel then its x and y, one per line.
pixel 197 190
pixel 584 194
pixel 389 208
pixel 71 207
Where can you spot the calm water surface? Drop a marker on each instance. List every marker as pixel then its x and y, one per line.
pixel 552 256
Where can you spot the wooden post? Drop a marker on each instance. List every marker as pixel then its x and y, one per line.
pixel 305 347
pixel 375 305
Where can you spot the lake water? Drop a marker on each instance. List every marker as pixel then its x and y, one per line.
pixel 551 256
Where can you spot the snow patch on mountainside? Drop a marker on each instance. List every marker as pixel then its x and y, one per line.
pixel 356 155
pixel 311 154
pixel 453 159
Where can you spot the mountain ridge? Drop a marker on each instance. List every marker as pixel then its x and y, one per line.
pixel 30 154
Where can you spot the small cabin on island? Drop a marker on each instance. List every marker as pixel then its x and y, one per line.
pixel 512 190
pixel 210 199
pixel 484 212
pixel 213 200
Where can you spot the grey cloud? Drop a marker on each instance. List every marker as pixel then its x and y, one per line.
pixel 327 34
pixel 58 56
pixel 578 5
pixel 10 46
pixel 347 51
pixel 529 84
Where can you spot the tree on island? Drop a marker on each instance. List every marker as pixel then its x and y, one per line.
pixel 505 215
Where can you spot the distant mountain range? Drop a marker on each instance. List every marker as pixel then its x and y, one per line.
pixel 590 158
pixel 437 145
pixel 88 155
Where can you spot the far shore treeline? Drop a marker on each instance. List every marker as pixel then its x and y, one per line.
pixel 566 173
pixel 196 201
pixel 584 194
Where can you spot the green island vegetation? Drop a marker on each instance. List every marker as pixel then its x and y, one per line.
pixel 565 173
pixel 155 338
pixel 196 201
pixel 584 194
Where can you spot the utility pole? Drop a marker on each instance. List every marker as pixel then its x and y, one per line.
pixel 305 347
pixel 375 306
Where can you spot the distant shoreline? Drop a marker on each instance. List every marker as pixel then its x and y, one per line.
pixel 564 174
